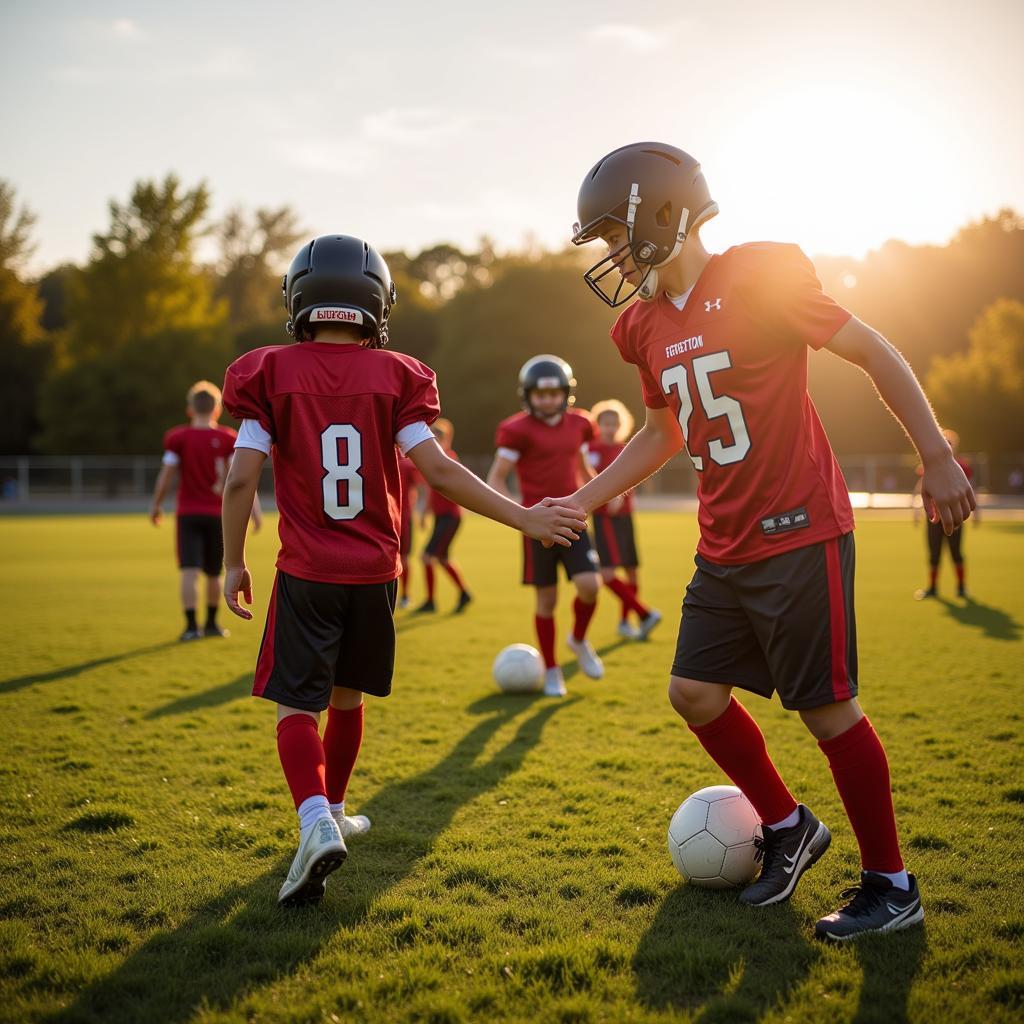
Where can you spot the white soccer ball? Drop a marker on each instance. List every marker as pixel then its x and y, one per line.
pixel 715 838
pixel 518 669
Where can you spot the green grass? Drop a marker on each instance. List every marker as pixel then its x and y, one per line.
pixel 517 868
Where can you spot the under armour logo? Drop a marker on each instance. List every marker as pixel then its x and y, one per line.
pixel 709 305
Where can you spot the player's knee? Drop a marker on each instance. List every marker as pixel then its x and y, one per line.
pixel 587 588
pixel 832 720
pixel 694 700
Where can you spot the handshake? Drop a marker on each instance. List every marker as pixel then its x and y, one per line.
pixel 554 521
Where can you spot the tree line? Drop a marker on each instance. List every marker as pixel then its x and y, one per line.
pixel 95 359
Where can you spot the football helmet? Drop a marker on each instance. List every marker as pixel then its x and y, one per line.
pixel 343 280
pixel 546 372
pixel 659 195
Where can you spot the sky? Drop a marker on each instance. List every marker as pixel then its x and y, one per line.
pixel 837 126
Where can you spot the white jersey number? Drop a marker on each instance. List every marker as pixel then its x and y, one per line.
pixel 347 472
pixel 713 405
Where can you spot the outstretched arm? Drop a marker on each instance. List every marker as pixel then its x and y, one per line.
pixel 167 475
pixel 546 523
pixel 236 508
pixel 945 490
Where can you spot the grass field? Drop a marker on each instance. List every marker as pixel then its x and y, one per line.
pixel 517 868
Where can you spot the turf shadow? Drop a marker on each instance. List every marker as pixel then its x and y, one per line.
pixel 239 941
pixel 69 671
pixel 241 686
pixel 707 955
pixel 890 964
pixel 993 622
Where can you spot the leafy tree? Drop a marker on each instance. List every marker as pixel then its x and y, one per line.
pixel 24 355
pixel 15 230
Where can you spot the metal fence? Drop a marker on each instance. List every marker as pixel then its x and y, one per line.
pixel 86 480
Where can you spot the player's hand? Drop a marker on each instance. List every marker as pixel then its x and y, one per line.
pixel 946 492
pixel 554 523
pixel 155 515
pixel 237 580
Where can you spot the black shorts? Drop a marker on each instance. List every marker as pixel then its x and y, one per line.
pixel 445 528
pixel 540 564
pixel 322 635
pixel 200 544
pixel 785 623
pixel 936 538
pixel 616 544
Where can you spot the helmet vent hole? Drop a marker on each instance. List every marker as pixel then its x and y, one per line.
pixel 663 217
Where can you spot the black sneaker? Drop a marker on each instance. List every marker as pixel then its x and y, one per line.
pixel 190 634
pixel 788 853
pixel 876 905
pixel 961 590
pixel 921 595
pixel 427 606
pixel 464 598
pixel 212 629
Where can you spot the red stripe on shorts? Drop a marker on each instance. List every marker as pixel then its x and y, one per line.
pixel 611 540
pixel 265 660
pixel 837 620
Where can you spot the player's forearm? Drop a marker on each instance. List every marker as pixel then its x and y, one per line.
pixel 645 454
pixel 163 483
pixel 456 482
pixel 499 482
pixel 236 508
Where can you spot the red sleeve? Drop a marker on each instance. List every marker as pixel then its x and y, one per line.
pixel 246 395
pixel 624 339
pixel 786 294
pixel 587 428
pixel 508 436
pixel 172 441
pixel 419 402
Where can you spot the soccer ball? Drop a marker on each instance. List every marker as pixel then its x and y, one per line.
pixel 518 669
pixel 715 838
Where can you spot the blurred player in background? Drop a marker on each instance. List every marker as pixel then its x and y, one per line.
pixel 197 456
pixel 613 523
pixel 333 412
pixel 447 520
pixel 411 483
pixel 546 445
pixel 936 535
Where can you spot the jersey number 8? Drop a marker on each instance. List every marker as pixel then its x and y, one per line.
pixel 336 472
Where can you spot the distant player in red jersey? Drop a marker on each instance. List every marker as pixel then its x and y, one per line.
pixel 447 520
pixel 333 412
pixel 546 445
pixel 411 483
pixel 614 534
pixel 197 457
pixel 936 536
pixel 720 346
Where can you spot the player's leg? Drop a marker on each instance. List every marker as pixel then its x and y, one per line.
pixel 955 540
pixel 546 600
pixel 630 560
pixel 189 600
pixel 429 577
pixel 584 605
pixel 189 544
pixel 935 534
pixel 450 528
pixel 620 590
pixel 213 564
pixel 343 739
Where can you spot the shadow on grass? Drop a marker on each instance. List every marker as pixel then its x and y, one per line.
pixel 241 686
pixel 69 671
pixel 890 964
pixel 708 955
pixel 993 622
pixel 240 941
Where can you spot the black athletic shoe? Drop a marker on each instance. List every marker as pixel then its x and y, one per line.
pixel 190 634
pixel 920 595
pixel 961 591
pixel 876 905
pixel 464 598
pixel 212 629
pixel 788 853
pixel 427 606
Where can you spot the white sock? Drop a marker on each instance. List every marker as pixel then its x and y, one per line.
pixel 311 810
pixel 788 821
pixel 898 878
pixel 337 809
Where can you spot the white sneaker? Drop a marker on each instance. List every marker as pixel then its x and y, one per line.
pixel 647 626
pixel 554 683
pixel 628 632
pixel 403 602
pixel 590 663
pixel 321 851
pixel 351 824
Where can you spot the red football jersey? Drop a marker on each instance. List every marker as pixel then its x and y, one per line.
pixel 601 457
pixel 333 413
pixel 442 506
pixel 411 479
pixel 203 454
pixel 549 456
pixel 732 365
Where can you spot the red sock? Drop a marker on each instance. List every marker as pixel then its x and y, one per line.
pixel 342 739
pixel 737 746
pixel 933 575
pixel 582 613
pixel 429 570
pixel 449 567
pixel 960 573
pixel 302 756
pixel 861 772
pixel 546 638
pixel 624 592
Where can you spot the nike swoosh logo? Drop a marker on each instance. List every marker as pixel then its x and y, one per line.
pixel 796 856
pixel 901 912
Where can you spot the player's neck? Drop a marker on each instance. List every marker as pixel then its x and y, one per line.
pixel 203 422
pixel 336 336
pixel 679 276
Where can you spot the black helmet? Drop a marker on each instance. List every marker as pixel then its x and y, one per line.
pixel 339 279
pixel 546 372
pixel 659 194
